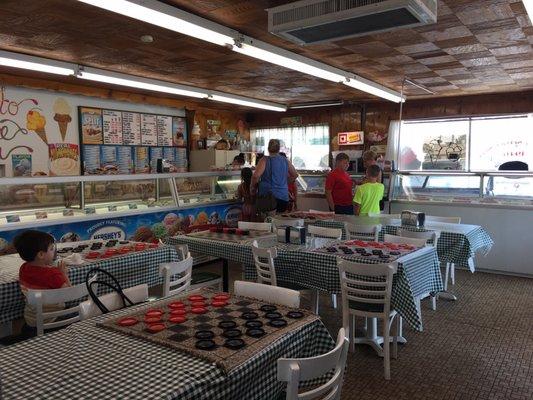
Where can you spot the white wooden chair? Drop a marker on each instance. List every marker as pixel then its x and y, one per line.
pixel 363 296
pixel 40 298
pixel 199 279
pixel 450 267
pixel 323 232
pixel 168 271
pixel 264 264
pixel 270 294
pixel 428 236
pixel 363 232
pixel 255 226
pixel 404 240
pixel 112 301
pixel 295 370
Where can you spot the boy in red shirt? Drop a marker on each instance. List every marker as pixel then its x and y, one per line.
pixel 38 272
pixel 339 186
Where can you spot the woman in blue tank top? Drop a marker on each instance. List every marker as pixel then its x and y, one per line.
pixel 272 174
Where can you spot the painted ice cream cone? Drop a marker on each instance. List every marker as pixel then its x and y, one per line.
pixel 36 122
pixel 62 116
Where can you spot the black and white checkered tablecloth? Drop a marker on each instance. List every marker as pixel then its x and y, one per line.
pixel 130 270
pixel 84 361
pixel 297 267
pixel 459 248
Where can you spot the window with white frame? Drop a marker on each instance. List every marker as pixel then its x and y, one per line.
pixel 306 146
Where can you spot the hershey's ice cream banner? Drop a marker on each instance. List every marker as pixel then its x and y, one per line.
pixel 40 130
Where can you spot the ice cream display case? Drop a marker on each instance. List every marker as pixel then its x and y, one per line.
pixel 117 206
pixel 312 184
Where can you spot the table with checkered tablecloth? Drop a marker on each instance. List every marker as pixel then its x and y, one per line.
pixel 129 269
pixel 458 243
pixel 85 361
pixel 298 267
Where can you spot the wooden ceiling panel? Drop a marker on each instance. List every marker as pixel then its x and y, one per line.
pixel 476 45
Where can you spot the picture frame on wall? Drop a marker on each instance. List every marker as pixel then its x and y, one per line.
pixel 200 144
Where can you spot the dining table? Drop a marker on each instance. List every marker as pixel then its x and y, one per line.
pixel 87 361
pixel 130 269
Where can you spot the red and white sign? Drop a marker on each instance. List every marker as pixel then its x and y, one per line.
pixel 351 138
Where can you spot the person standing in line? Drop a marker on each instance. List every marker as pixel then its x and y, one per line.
pixel 368 195
pixel 243 193
pixel 339 187
pixel 272 176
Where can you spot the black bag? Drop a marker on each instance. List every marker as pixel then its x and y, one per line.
pixel 115 287
pixel 266 202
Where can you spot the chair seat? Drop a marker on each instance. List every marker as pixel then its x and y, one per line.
pixel 202 277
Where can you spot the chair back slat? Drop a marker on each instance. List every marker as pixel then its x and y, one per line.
pixel 430 236
pixel 293 371
pixel 268 293
pixel 364 232
pixel 113 301
pixel 277 223
pixel 319 231
pixel 255 226
pixel 404 240
pixel 183 251
pixel 449 220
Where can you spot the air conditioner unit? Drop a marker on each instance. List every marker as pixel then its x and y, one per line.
pixel 316 21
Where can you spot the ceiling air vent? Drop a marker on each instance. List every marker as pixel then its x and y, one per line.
pixel 316 21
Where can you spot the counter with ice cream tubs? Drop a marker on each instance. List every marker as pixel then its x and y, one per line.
pixel 144 207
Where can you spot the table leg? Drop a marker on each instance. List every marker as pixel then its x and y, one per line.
pixel 225 275
pixel 6 329
pixel 372 339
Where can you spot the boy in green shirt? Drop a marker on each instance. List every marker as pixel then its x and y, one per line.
pixel 368 195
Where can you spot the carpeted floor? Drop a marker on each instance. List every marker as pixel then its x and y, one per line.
pixel 479 347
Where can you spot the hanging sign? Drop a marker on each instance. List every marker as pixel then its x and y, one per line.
pixel 351 138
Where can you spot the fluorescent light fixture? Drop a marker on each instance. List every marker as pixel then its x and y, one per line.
pixel 317 104
pixel 275 55
pixel 114 78
pixel 227 98
pixel 528 4
pixel 165 16
pixel 22 61
pixel 367 86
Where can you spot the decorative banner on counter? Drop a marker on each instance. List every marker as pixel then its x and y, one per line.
pixel 91 125
pixel 164 130
pixel 131 128
pixel 63 158
pixel 112 126
pixel 148 130
pixel 351 138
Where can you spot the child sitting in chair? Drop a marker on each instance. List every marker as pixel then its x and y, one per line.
pixel 38 249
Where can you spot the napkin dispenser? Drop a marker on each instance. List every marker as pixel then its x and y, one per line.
pixel 291 234
pixel 413 218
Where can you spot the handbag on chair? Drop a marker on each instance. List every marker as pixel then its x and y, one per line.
pixel 115 288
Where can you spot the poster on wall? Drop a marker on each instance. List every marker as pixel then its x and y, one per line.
pixel 91 160
pixel 112 126
pixel 91 125
pixel 63 159
pixel 351 138
pixel 164 130
pixel 131 128
pixel 141 160
pixel 109 159
pixel 125 160
pixel 148 130
pixel 21 164
pixel 179 131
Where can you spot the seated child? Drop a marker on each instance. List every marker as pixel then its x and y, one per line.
pixel 38 272
pixel 368 195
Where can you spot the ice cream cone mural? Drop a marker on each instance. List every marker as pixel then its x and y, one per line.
pixel 36 122
pixel 62 116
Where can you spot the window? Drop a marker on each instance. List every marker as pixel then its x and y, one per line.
pixel 467 144
pixel 306 146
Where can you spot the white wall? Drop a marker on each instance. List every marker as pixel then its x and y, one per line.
pixel 511 229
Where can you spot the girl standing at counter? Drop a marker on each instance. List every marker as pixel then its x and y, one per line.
pixel 244 194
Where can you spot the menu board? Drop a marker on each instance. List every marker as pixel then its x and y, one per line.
pixel 131 128
pixel 91 125
pixel 148 130
pixel 125 142
pixel 112 126
pixel 164 130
